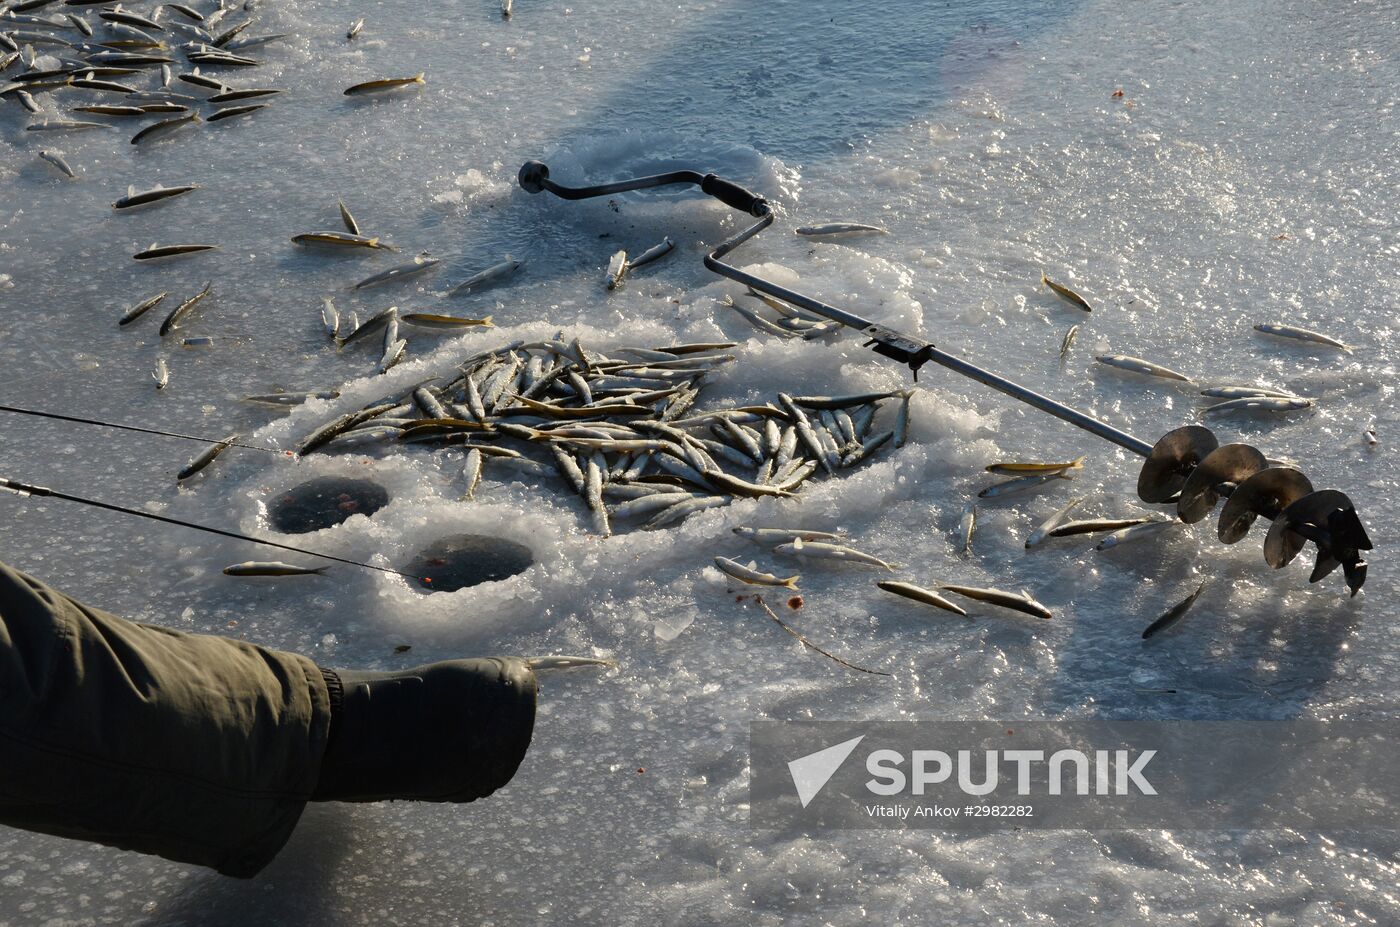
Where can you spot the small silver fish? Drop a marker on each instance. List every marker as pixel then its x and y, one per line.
pixel 1261 404
pixel 1300 334
pixel 330 319
pixel 901 422
pixel 1135 533
pixel 157 129
pixel 249 93
pixel 655 252
pixel 179 313
pixel 156 251
pixel 540 664
pixel 206 458
pixel 417 266
pixel 770 537
pixel 841 228
pixel 27 100
pixel 617 269
pixel 140 309
pixel 1023 467
pixel 471 470
pixel 271 568
pixel 1138 365
pixel 823 550
pixel 1022 602
pixel 1174 614
pixel 505 9
pixel 388 83
pixel 154 195
pixel 1065 293
pixel 1096 526
pixel 1068 341
pixel 351 225
pixel 966 526
pixel 1042 532
pixel 393 354
pixel 233 111
pixel 355 28
pixel 1244 392
pixel 1021 484
pixel 161 374
pixel 752 575
pixel 488 277
pixel 56 159
pixel 919 594
pixel 341 239
pixel 63 125
pixel 199 341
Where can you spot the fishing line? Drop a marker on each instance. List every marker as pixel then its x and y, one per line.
pixel 25 489
pixel 148 431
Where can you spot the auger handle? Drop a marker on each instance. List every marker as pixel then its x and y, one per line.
pixel 534 178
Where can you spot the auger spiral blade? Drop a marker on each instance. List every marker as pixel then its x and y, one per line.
pixel 1229 463
pixel 1329 519
pixel 1266 493
pixel 1173 457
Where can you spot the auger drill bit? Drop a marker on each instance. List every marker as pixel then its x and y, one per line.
pixel 1187 465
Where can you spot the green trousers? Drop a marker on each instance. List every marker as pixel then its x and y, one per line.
pixel 199 749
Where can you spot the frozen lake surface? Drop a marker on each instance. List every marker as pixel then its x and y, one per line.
pixel 1246 175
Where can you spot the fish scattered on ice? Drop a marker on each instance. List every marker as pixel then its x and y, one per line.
pixel 446 322
pixel 823 550
pixel 771 537
pixel 340 239
pixel 1138 365
pixel 181 311
pixel 1021 484
pixel 965 528
pixel 920 594
pixel 387 83
pixel 1300 334
pixel 140 309
pixel 841 228
pixel 488 277
pixel 1244 392
pixel 1097 525
pixel 1174 614
pixel 655 252
pixel 156 251
pixel 1261 404
pixel 355 28
pixel 1136 533
pixel 1043 531
pixel 351 225
pixel 617 269
pixel 330 319
pixel 161 374
pixel 56 159
pixel 233 111
pixel 753 576
pixel 1021 468
pixel 156 194
pixel 1022 602
pixel 1068 295
pixel 1068 341
pixel 271 568
pixel 418 265
pixel 206 458
pixel 158 129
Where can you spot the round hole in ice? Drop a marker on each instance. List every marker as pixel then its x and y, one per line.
pixel 323 502
pixel 463 560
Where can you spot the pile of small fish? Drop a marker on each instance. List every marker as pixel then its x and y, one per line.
pixel 622 429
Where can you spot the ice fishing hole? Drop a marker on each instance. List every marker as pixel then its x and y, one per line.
pixel 323 502
pixel 468 559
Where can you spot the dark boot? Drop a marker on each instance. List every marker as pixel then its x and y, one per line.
pixel 450 731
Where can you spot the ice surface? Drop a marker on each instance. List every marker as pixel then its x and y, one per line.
pixel 1246 176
